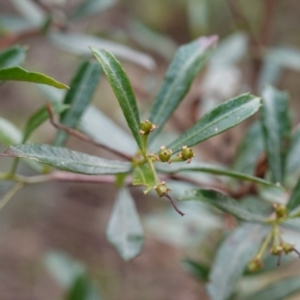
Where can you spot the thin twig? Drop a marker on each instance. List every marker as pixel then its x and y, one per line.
pixel 173 204
pixel 81 136
pixel 11 192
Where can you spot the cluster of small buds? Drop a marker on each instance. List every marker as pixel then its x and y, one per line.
pixel 165 154
pixel 146 127
pixel 162 189
pixel 255 264
pixel 186 154
pixel 280 210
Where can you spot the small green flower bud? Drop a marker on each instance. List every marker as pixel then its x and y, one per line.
pixel 276 250
pixel 186 153
pixel 165 154
pixel 280 210
pixel 146 127
pixel 162 189
pixel 287 248
pixel 255 264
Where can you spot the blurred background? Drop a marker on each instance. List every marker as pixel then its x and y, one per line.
pixel 51 231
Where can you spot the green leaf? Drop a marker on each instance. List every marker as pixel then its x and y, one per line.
pixel 30 11
pixel 185 65
pixel 144 175
pixel 79 44
pixel 110 134
pixel 215 170
pixel 12 56
pixel 276 125
pixel 122 90
pixel 124 229
pixel 293 161
pixel 62 268
pixel 92 6
pixel 39 117
pixel 226 204
pixel 294 201
pixel 232 257
pixel 279 290
pixel 223 117
pixel 9 133
pixel 20 74
pixel 250 150
pixel 78 97
pixel 82 289
pixel 197 269
pixel 69 160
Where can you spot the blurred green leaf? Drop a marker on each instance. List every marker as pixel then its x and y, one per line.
pixel 185 65
pixel 9 133
pixel 232 257
pixel 79 44
pixel 250 149
pixel 92 119
pixel 39 117
pixel 63 268
pixel 152 40
pixel 20 74
pixel 69 160
pixel 197 269
pixel 223 117
pixel 207 168
pixel 89 7
pixel 122 90
pixel 12 56
pixel 78 97
pixel 279 290
pixel 124 229
pixel 293 161
pixel 226 204
pixel 144 175
pixel 13 24
pixel 82 289
pixel 276 124
pixel 30 11
pixel 294 200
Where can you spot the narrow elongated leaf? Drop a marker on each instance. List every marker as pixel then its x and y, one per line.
pixel 279 290
pixel 294 201
pixel 276 125
pixel 79 44
pixel 232 257
pixel 124 229
pixel 122 90
pixel 78 97
pixel 12 56
pixel 250 150
pixel 185 65
pixel 199 270
pixel 20 74
pixel 97 125
pixel 82 289
pixel 39 117
pixel 9 133
pixel 223 117
pixel 69 160
pixel 143 175
pixel 89 7
pixel 226 204
pixel 207 168
pixel 293 161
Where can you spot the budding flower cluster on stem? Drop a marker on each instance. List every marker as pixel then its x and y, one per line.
pixel 165 154
pixel 186 154
pixel 146 127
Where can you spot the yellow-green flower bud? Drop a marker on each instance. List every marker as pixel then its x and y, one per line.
pixel 255 264
pixel 165 154
pixel 276 250
pixel 162 189
pixel 280 210
pixel 186 153
pixel 146 127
